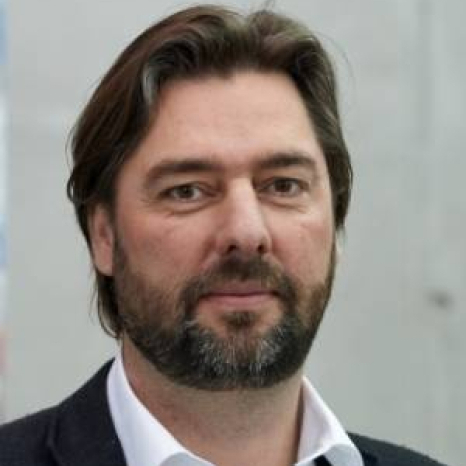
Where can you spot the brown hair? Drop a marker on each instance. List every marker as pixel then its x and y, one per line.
pixel 195 42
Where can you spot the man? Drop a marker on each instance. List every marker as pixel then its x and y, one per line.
pixel 210 181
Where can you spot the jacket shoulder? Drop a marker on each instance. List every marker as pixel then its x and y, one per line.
pixel 23 441
pixel 79 425
pixel 387 454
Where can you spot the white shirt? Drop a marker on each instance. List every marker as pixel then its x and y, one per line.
pixel 146 442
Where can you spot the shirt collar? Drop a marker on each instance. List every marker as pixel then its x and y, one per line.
pixel 146 442
pixel 322 433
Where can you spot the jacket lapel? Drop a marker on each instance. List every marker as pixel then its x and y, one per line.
pixel 82 432
pixel 366 448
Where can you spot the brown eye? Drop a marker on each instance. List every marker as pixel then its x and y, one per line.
pixel 184 192
pixel 285 187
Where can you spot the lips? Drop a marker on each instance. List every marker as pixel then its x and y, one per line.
pixel 239 294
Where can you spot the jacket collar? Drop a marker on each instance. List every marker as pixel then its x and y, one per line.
pixel 82 432
pixel 366 448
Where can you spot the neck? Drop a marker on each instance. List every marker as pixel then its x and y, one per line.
pixel 265 423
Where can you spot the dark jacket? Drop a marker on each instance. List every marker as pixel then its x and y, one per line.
pixel 79 432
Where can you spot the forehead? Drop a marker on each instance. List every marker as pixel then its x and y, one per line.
pixel 233 120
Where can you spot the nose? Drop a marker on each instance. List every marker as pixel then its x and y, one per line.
pixel 242 226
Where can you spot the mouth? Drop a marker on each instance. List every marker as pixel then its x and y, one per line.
pixel 239 295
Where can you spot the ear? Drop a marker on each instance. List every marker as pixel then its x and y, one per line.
pixel 102 239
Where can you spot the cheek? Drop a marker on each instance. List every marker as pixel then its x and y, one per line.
pixel 305 248
pixel 160 248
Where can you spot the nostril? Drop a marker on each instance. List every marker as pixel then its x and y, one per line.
pixel 232 248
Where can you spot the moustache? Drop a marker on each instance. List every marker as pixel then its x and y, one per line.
pixel 236 268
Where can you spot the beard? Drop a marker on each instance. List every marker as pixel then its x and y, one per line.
pixel 163 326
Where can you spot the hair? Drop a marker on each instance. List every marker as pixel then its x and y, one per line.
pixel 196 42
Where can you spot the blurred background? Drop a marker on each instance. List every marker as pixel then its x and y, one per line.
pixel 390 359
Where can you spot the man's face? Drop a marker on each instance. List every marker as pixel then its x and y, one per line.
pixel 222 240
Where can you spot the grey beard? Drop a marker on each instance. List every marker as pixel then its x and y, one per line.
pixel 167 334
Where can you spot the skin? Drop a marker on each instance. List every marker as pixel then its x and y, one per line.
pixel 175 221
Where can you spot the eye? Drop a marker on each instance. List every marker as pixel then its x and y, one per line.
pixel 184 192
pixel 285 187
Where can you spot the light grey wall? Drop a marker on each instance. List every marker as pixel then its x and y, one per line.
pixel 390 358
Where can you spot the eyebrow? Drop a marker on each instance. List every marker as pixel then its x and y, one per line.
pixel 204 165
pixel 174 167
pixel 287 159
